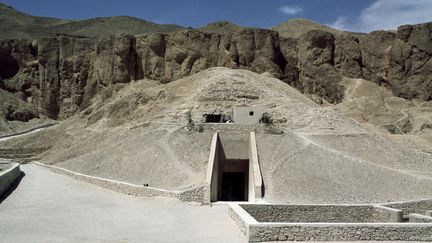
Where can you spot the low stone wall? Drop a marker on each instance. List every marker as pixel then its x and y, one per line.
pixel 340 232
pixel 332 229
pixel 386 214
pixel 418 218
pixel 233 127
pixel 191 195
pixel 235 213
pixel 317 213
pixel 418 207
pixel 8 176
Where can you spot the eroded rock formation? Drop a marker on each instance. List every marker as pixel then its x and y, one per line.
pixel 61 75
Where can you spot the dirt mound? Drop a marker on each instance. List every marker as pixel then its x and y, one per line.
pixel 139 135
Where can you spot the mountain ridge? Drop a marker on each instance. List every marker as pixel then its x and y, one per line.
pixel 19 25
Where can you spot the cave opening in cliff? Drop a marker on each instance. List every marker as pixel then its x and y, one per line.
pixel 9 65
pixel 213 118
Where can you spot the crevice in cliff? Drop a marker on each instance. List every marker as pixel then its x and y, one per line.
pixel 9 66
pixel 33 50
pixel 134 64
pixel 332 53
pixel 55 97
pixel 279 58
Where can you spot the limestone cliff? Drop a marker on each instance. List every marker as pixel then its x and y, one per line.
pixel 60 75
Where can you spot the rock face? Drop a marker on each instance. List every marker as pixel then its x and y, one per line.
pixel 410 71
pixel 61 75
pixel 315 52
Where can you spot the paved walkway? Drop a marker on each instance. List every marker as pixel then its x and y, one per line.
pixel 49 207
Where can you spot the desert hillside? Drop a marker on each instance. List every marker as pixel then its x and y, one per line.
pixel 141 135
pixel 351 112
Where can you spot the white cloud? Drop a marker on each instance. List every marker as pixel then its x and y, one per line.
pixel 387 15
pixel 291 10
pixel 340 23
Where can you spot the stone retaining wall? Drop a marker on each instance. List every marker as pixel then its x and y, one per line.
pixel 235 214
pixel 323 223
pixel 418 218
pixel 9 176
pixel 388 214
pixel 317 213
pixel 190 195
pixel 419 207
pixel 340 232
pixel 233 127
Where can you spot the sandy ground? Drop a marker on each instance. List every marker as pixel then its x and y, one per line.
pixel 49 207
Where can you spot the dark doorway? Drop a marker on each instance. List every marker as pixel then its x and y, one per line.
pixel 213 118
pixel 233 186
pixel 233 180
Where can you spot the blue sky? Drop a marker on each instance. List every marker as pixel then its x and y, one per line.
pixel 354 15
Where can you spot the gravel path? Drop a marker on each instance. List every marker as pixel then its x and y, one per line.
pixel 49 207
pixel 24 133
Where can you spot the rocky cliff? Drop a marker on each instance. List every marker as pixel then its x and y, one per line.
pixel 60 75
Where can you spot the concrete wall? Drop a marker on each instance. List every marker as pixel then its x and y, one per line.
pixel 225 148
pixel 212 171
pixel 255 180
pixel 317 213
pixel 242 115
pixel 229 147
pixel 233 146
pixel 9 176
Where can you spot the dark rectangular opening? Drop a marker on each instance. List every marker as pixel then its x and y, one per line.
pixel 233 186
pixel 213 118
pixel 251 113
pixel 233 180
